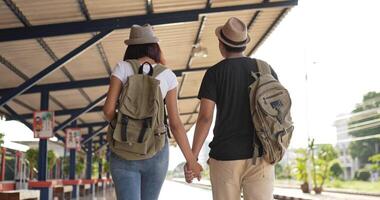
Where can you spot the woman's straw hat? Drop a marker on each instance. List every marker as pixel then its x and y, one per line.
pixel 141 35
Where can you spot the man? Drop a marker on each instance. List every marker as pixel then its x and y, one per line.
pixel 226 86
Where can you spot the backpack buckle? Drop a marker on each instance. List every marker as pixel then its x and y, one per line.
pixel 124 119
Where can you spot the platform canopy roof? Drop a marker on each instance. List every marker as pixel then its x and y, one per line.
pixel 66 50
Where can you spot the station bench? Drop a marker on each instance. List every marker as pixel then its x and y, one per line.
pixel 61 192
pixel 20 194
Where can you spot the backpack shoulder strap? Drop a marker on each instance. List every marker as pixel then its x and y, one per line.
pixel 158 69
pixel 263 67
pixel 135 65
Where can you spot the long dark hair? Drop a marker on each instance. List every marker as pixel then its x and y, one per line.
pixel 151 50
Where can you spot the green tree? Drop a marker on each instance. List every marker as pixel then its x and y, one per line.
pixel 79 166
pixel 363 149
pixel 1 138
pixel 375 159
pixel 336 169
pixel 32 157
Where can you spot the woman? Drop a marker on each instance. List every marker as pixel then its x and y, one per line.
pixel 142 179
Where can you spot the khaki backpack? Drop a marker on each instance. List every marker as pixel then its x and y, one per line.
pixel 138 131
pixel 270 108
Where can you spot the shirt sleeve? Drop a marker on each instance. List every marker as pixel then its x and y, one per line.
pixel 172 80
pixel 208 87
pixel 122 71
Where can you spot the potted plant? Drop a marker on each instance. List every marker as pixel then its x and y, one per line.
pixel 301 169
pixel 323 157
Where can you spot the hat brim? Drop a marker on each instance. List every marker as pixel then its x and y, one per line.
pixel 218 34
pixel 141 41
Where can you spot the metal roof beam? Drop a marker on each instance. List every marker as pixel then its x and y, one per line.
pixel 53 67
pixel 149 6
pixel 83 110
pixel 89 136
pixel 17 117
pixel 94 109
pixel 126 22
pixel 270 29
pixel 80 83
pixel 196 41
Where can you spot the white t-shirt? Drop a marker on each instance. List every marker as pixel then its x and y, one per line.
pixel 167 78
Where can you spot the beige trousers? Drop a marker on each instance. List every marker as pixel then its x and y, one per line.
pixel 229 178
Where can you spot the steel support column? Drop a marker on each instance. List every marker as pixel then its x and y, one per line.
pixel 100 163
pixel 42 153
pixel 53 67
pixel 108 155
pixel 89 160
pixel 72 168
pixel 3 160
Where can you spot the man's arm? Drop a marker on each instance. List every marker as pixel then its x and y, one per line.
pixel 202 128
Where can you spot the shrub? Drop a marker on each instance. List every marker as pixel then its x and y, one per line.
pixel 363 174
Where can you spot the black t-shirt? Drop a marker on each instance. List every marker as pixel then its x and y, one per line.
pixel 226 83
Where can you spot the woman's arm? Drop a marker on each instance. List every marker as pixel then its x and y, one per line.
pixel 112 96
pixel 179 132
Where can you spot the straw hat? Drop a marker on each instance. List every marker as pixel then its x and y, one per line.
pixel 141 35
pixel 233 33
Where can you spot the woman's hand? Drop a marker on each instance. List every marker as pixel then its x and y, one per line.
pixel 195 168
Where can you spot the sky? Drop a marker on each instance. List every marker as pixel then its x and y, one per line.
pixel 336 43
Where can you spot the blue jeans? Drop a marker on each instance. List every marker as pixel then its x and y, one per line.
pixel 139 179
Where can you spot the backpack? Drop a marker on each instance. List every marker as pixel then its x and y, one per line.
pixel 270 109
pixel 138 130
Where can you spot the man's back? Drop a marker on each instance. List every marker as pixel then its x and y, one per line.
pixel 226 83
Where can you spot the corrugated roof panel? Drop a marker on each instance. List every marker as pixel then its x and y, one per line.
pixel 187 105
pixel 32 100
pixel 50 11
pixel 188 127
pixel 7 18
pixel 264 20
pixel 193 118
pixel 209 39
pixel 115 8
pixel 96 92
pixel 9 78
pixel 192 84
pixel 222 3
pixel 89 61
pixel 91 117
pixel 160 6
pixel 184 118
pixel 176 41
pixel 114 46
pixel 61 45
pixel 17 108
pixel 70 98
pixel 29 57
pixel 61 118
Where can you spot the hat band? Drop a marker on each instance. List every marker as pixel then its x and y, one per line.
pixel 230 41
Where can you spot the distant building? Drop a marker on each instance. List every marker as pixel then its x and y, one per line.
pixel 364 119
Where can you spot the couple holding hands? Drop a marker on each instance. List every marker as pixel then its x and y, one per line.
pixel 224 86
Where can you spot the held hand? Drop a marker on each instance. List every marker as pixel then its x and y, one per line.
pixel 196 168
pixel 189 176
